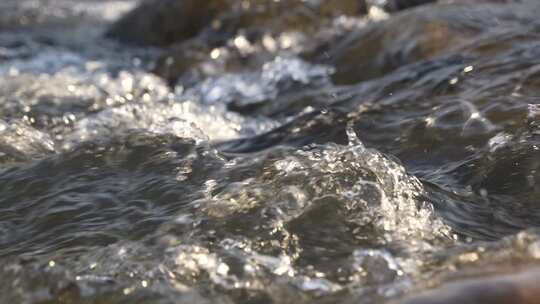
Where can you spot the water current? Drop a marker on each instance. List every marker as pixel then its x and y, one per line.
pixel 257 151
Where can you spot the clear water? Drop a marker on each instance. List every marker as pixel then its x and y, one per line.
pixel 355 173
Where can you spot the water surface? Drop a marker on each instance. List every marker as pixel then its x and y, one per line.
pixel 354 162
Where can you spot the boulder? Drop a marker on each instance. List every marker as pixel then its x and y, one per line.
pixel 422 33
pixel 163 22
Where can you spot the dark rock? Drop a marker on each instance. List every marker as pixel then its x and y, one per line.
pixel 418 34
pixel 521 288
pixel 397 5
pixel 162 22
pixel 174 22
pixel 253 20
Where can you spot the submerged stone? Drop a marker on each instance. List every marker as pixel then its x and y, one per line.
pixel 518 288
pixel 420 34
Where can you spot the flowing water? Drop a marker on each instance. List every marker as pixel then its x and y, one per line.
pixel 374 156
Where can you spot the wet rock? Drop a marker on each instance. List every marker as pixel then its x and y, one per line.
pixel 251 33
pixel 288 15
pixel 396 5
pixel 521 287
pixel 419 34
pixel 359 52
pixel 162 22
pixel 267 27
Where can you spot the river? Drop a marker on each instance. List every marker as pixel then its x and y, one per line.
pixel 267 152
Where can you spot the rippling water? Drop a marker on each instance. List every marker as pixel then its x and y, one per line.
pixel 278 157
